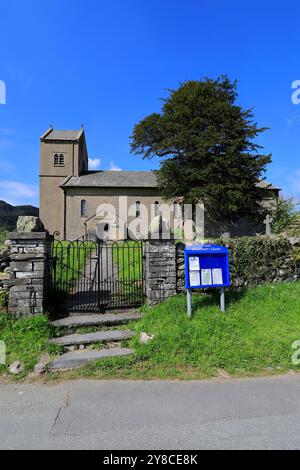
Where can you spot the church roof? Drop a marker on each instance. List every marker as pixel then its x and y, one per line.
pixel 55 135
pixel 121 179
pixel 265 185
pixel 127 179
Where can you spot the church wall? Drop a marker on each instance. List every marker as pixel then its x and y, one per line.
pixel 51 177
pixel 97 196
pixel 52 204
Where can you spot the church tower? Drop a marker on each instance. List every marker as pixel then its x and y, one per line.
pixel 63 155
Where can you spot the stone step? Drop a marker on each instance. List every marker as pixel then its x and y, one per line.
pixel 89 338
pixel 77 313
pixel 73 360
pixel 107 319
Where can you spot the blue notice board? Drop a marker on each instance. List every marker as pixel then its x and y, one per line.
pixel 206 266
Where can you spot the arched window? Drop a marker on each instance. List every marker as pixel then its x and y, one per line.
pixel 138 209
pixel 156 208
pixel 83 210
pixel 59 159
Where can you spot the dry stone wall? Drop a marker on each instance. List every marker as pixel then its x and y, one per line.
pixel 29 276
pixel 253 261
pixel 159 270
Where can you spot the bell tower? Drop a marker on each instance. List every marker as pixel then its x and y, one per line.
pixel 63 154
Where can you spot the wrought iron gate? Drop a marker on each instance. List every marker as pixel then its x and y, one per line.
pixel 92 276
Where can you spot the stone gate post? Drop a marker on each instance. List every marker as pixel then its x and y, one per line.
pixel 29 272
pixel 160 270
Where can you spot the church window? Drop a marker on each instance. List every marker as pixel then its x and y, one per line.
pixel 138 209
pixel 83 209
pixel 59 159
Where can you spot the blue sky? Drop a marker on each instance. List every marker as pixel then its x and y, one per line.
pixel 105 64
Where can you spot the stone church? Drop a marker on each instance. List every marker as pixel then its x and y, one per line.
pixel 70 194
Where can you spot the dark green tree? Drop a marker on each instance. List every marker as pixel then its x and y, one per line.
pixel 207 150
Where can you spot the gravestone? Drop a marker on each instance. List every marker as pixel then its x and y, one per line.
pixel 268 221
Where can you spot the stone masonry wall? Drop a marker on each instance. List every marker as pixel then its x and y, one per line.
pixel 253 261
pixel 159 270
pixel 29 254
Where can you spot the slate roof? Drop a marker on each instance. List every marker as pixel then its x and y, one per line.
pixel 125 179
pixel 265 185
pixel 54 135
pixel 121 179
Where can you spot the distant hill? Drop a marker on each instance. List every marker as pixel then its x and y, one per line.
pixel 9 215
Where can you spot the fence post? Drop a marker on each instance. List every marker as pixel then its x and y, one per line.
pixel 160 270
pixel 29 272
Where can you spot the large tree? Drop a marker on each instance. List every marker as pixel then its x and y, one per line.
pixel 207 149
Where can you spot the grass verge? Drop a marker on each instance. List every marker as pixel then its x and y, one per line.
pixel 253 337
pixel 26 339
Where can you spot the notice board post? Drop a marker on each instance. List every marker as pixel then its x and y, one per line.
pixel 206 267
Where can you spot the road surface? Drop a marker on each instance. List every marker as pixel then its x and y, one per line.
pixel 262 413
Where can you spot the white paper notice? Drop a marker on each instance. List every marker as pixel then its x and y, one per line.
pixel 194 278
pixel 206 277
pixel 194 264
pixel 217 275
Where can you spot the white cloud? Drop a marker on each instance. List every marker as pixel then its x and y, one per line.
pixel 16 193
pixel 94 163
pixel 113 167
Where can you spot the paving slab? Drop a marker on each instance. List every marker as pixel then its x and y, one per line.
pixel 90 338
pixel 97 320
pixel 73 360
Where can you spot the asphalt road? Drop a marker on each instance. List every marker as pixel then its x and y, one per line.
pixel 261 413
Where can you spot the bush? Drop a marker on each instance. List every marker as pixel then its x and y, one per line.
pixel 3 237
pixel 255 260
pixel 285 219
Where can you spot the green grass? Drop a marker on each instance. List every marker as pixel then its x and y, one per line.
pixel 70 260
pixel 128 260
pixel 26 340
pixel 253 337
